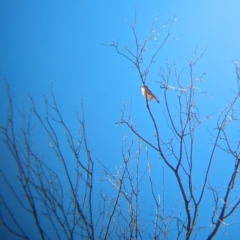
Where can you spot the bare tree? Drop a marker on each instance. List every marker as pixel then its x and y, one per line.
pixel 179 148
pixel 137 207
pixel 42 188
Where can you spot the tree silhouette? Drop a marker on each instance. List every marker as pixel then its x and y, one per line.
pixel 59 201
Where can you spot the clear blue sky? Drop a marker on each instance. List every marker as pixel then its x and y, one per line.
pixel 59 43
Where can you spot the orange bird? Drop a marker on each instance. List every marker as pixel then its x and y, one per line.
pixel 146 92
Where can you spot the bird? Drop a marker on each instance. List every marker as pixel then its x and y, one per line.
pixel 146 92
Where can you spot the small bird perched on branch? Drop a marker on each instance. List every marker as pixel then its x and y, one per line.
pixel 148 94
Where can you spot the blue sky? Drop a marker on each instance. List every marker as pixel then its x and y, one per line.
pixel 60 43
